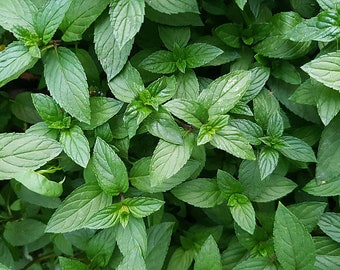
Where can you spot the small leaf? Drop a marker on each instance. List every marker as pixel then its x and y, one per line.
pixel 296 149
pixel 111 57
pixel 70 264
pixel 250 130
pixel 181 259
pixel 110 170
pixel 79 17
pixel 75 145
pixel 174 6
pixel 23 232
pixel 241 3
pixel 223 93
pixel 49 17
pixel 39 183
pixel 329 224
pixel 160 62
pixel 201 192
pixel 228 184
pixel 324 69
pixel 126 17
pixel 294 246
pixel 22 152
pixel 209 256
pixel 142 207
pixel 242 211
pixel 268 160
pixel 77 209
pixel 106 217
pixel 187 85
pixel 162 89
pixel 275 125
pixel 169 158
pixel 174 35
pixel 14 60
pixel 199 54
pixel 65 78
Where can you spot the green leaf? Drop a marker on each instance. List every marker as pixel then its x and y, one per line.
pixel 22 152
pixel 106 217
pixel 17 13
pixel 134 115
pixel 327 253
pixel 110 170
pixel 172 36
pixel 22 107
pixel 190 111
pixel 160 62
pixel 256 263
pixel 38 183
pixel 232 141
pixel 327 4
pixel 14 60
pixel 42 129
pixel 285 71
pixel 181 259
pixel 132 238
pixel 296 149
pixel 230 34
pixel 201 192
pixel 51 112
pixel 65 78
pixel 328 104
pixel 324 69
pixel 23 232
pixel 4 267
pixel 329 224
pixel 100 247
pixel 77 209
pixel 294 246
pixel 228 184
pixel 162 89
pixel 49 17
pixel 79 17
pixel 199 54
pixel 111 57
pixel 142 207
pixel 307 92
pixel 70 264
pixel 268 160
pixel 169 158
pixel 208 130
pixel 127 85
pixel 174 6
pixel 309 213
pixel 75 145
pixel 275 125
pixel 187 85
pixel 223 93
pixel 233 254
pixel 127 17
pixel 209 256
pixel 162 125
pixel 323 188
pixel 102 110
pixel 159 237
pixel 242 211
pixel 250 130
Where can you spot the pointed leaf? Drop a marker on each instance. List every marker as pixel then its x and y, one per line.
pixel 38 183
pixel 174 35
pixel 79 17
pixel 209 256
pixel 127 17
pixel 293 244
pixel 199 54
pixel 76 145
pixel 77 209
pixel 169 158
pixel 275 125
pixel 297 149
pixel 174 6
pixel 187 85
pixel 142 207
pixel 65 77
pixel 111 57
pixel 14 60
pixel 329 224
pixel 268 160
pixel 22 152
pixel 323 188
pixel 328 104
pixel 160 62
pixel 70 264
pixel 228 184
pixel 106 217
pixel 110 170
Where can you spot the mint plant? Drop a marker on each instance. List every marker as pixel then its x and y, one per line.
pixel 169 134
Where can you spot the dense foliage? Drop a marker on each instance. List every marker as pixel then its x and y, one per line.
pixel 176 134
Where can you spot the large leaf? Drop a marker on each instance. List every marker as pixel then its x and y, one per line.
pixel 77 209
pixel 127 17
pixel 268 160
pixel 199 54
pixel 296 149
pixel 327 253
pixel 159 237
pixel 223 93
pixel 109 168
pixel 111 57
pixel 294 246
pixel 172 36
pixel 39 183
pixel 329 224
pixel 174 6
pixel 201 192
pixel 169 158
pixel 75 145
pixel 49 17
pixel 142 207
pixel 209 256
pixel 66 81
pixel 187 85
pixel 17 13
pixel 160 62
pixel 14 60
pixel 80 15
pixel 256 263
pixel 22 152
